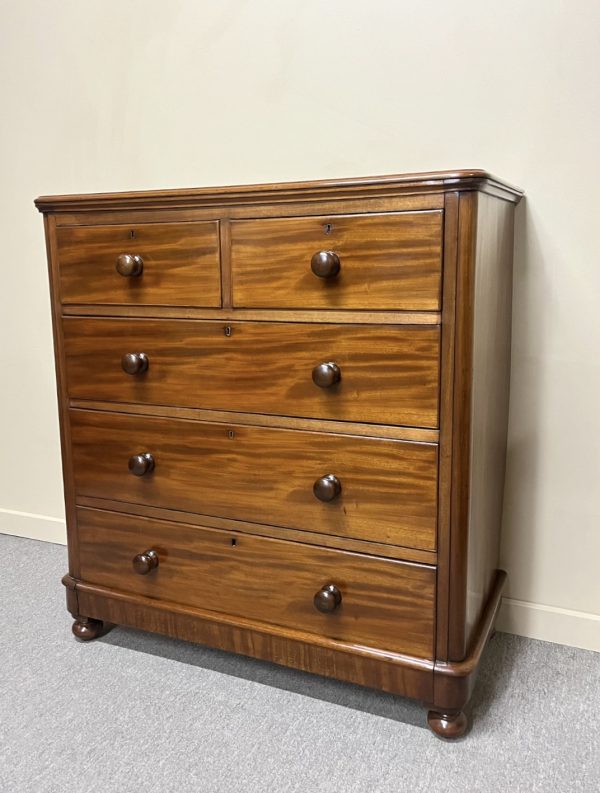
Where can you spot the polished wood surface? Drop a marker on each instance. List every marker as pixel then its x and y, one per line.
pixel 325 264
pixel 228 314
pixel 481 389
pixel 395 432
pixel 86 629
pixel 330 383
pixel 389 373
pixel 129 265
pixel 445 470
pixel 328 598
pixel 454 680
pixel 316 537
pixel 311 652
pixel 489 400
pixel 134 362
pixel 141 464
pixel 145 562
pixel 388 261
pixel 395 201
pixel 179 264
pixel 62 399
pixel 267 580
pixel 326 374
pixel 283 192
pixel 266 475
pixel 449 725
pixel 327 488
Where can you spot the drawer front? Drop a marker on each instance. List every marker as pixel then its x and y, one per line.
pixel 388 261
pixel 384 604
pixel 388 374
pixel 179 264
pixel 384 490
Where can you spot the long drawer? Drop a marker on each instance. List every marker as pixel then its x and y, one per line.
pixel 164 264
pixel 383 261
pixel 386 374
pixel 367 601
pixel 347 486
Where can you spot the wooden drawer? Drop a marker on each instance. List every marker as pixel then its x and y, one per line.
pixel 384 604
pixel 262 474
pixel 389 374
pixel 180 264
pixel 386 261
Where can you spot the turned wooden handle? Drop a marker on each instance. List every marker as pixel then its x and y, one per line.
pixel 327 488
pixel 135 362
pixel 328 598
pixel 129 265
pixel 326 374
pixel 325 264
pixel 145 562
pixel 141 464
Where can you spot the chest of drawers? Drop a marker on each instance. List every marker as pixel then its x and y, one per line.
pixel 283 420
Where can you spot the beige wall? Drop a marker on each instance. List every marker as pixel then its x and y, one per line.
pixel 146 94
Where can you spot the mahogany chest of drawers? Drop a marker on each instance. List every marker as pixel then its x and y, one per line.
pixel 283 413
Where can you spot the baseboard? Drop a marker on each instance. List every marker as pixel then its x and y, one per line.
pixel 550 624
pixel 36 527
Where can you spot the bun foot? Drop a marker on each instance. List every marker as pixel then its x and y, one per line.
pixel 450 725
pixel 85 629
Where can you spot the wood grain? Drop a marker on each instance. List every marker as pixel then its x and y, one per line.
pixel 62 398
pixel 262 474
pixel 152 213
pixel 454 680
pixel 489 400
pixel 260 420
pixel 388 261
pixel 369 547
pixel 257 314
pixel 233 329
pixel 181 264
pixel 445 472
pixel 398 674
pixel 263 579
pixel 482 367
pixel 389 373
pixel 282 192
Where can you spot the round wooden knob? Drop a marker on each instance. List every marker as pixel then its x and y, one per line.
pixel 145 562
pixel 328 598
pixel 327 488
pixel 141 464
pixel 135 362
pixel 326 374
pixel 129 265
pixel 325 264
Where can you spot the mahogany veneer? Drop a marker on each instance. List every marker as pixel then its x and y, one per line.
pixel 388 374
pixel 179 263
pixel 283 420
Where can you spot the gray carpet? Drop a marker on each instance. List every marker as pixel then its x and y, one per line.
pixel 135 712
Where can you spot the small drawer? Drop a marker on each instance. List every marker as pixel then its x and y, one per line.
pixel 367 373
pixel 364 488
pixel 388 261
pixel 347 597
pixel 159 264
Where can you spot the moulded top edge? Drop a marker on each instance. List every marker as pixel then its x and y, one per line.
pixel 434 181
